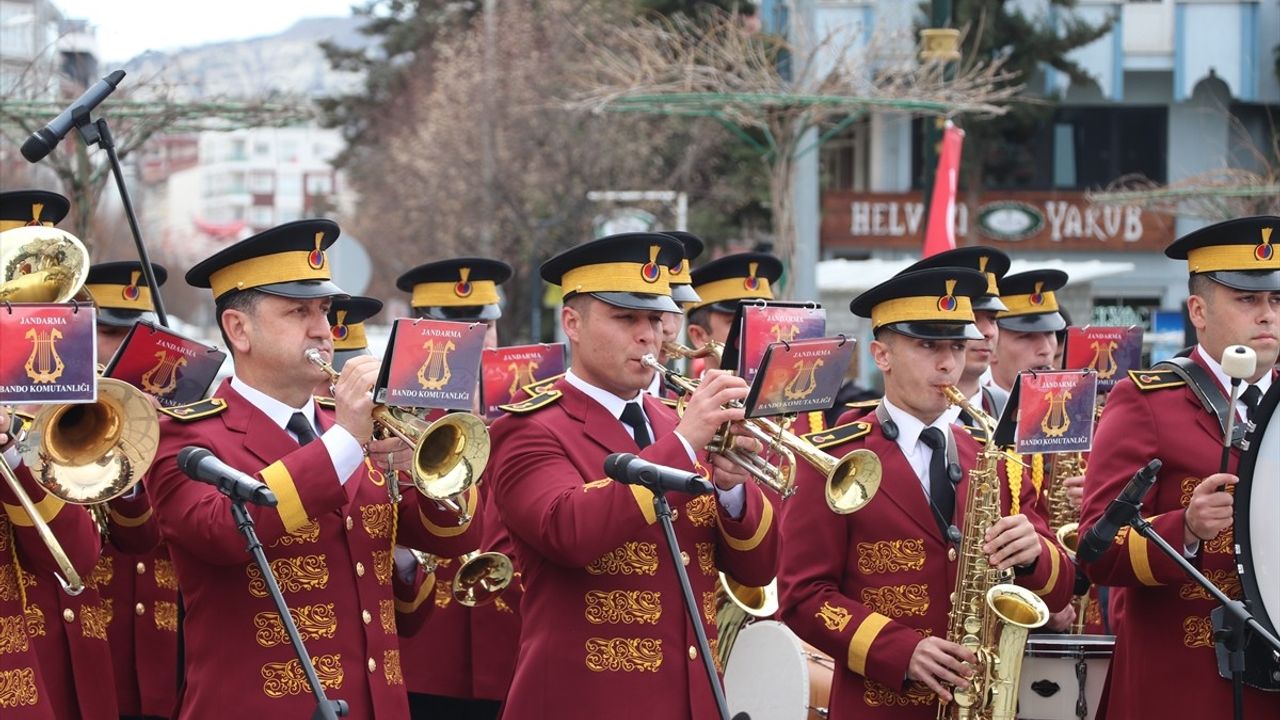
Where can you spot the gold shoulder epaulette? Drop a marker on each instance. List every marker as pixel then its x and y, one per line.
pixel 326 402
pixel 863 404
pixel 1147 380
pixel 196 410
pixel 540 387
pixel 839 434
pixel 537 402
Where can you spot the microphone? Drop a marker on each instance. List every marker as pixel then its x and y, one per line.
pixel 200 464
pixel 631 470
pixel 43 141
pixel 1118 514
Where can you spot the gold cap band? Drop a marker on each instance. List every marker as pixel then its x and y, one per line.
pixel 122 297
pixel 1036 303
pixel 354 339
pixel 680 276
pixel 1263 256
pixel 11 224
pixel 455 294
pixel 270 269
pixel 648 278
pixel 927 308
pixel 993 288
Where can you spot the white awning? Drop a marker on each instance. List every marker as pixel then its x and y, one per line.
pixel 854 276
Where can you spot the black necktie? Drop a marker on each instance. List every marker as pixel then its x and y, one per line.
pixel 941 492
pixel 300 426
pixel 1251 397
pixel 633 416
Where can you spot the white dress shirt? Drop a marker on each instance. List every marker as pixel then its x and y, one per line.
pixel 345 451
pixel 916 452
pixel 733 501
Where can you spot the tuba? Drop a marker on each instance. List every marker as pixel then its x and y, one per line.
pixel 851 481
pixel 989 614
pixel 448 455
pixel 41 265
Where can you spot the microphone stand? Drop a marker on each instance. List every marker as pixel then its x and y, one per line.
pixel 326 709
pixel 1236 618
pixel 664 512
pixel 97 133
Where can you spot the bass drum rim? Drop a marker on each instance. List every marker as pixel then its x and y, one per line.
pixel 1268 408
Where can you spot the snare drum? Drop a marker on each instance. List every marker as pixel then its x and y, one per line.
pixel 774 675
pixel 1063 675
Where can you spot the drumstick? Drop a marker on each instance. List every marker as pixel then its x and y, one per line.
pixel 1238 362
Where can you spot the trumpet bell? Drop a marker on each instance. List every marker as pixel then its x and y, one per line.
pixel 89 453
pixel 451 455
pixel 853 482
pixel 481 579
pixel 41 265
pixel 761 602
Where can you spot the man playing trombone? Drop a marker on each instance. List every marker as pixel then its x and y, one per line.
pixel 330 539
pixel 604 631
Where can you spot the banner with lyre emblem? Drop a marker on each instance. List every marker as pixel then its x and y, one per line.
pixel 800 376
pixel 758 324
pixel 1110 351
pixel 48 354
pixel 1055 411
pixel 158 361
pixel 506 370
pixel 431 364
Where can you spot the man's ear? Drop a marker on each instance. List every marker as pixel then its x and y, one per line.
pixel 881 354
pixel 571 321
pixel 237 325
pixel 698 335
pixel 1197 311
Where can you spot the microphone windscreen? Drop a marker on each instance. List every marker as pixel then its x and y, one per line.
pixel 190 456
pixel 616 464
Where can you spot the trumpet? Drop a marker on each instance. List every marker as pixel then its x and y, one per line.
pixel 479 580
pixel 851 481
pixel 713 348
pixel 448 455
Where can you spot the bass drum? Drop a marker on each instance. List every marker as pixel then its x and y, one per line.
pixel 774 675
pixel 1062 676
pixel 1257 536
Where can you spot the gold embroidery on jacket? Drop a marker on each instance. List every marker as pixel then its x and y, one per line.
pixel 391 667
pixel 835 618
pixel 286 678
pixel 709 606
pixel 18 688
pixel 308 532
pixel 877 695
pixel 377 520
pixel 294 574
pixel 1226 580
pixel 13 634
pixel 595 484
pixel 94 619
pixel 701 511
pixel 1221 545
pixel 623 607
pixel 501 606
pixel 897 600
pixel 102 572
pixel 1188 486
pixel 886 556
pixel 1197 632
pixel 312 621
pixel 387 616
pixel 706 558
pixel 633 558
pixel 444 593
pixel 9 582
pixel 166 616
pixel 35 620
pixel 624 654
pixel 165 576
pixel 382 565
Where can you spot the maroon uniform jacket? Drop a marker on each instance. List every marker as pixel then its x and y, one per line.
pixel 1165 639
pixel 865 588
pixel 43 631
pixel 330 547
pixel 605 633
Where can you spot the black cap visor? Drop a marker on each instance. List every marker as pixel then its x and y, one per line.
pixel 638 301
pixel 1040 322
pixel 1247 280
pixel 684 294
pixel 303 289
pixel 123 318
pixel 936 330
pixel 990 303
pixel 459 313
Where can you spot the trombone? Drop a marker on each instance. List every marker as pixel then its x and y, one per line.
pixel 713 348
pixel 851 481
pixel 448 455
pixel 81 453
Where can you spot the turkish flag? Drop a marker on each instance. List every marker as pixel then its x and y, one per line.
pixel 940 234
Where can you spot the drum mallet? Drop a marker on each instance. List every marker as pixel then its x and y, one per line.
pixel 1238 362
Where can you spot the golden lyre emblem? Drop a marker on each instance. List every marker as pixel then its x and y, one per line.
pixel 834 618
pixel 434 373
pixel 784 333
pixel 804 382
pixel 1056 420
pixel 521 375
pixel 1104 359
pixel 162 378
pixel 43 364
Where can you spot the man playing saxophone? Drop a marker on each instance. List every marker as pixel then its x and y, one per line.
pixel 872 588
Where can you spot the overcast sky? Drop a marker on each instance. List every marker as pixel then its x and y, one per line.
pixel 129 27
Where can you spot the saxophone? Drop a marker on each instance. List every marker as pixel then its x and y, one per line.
pixel 989 614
